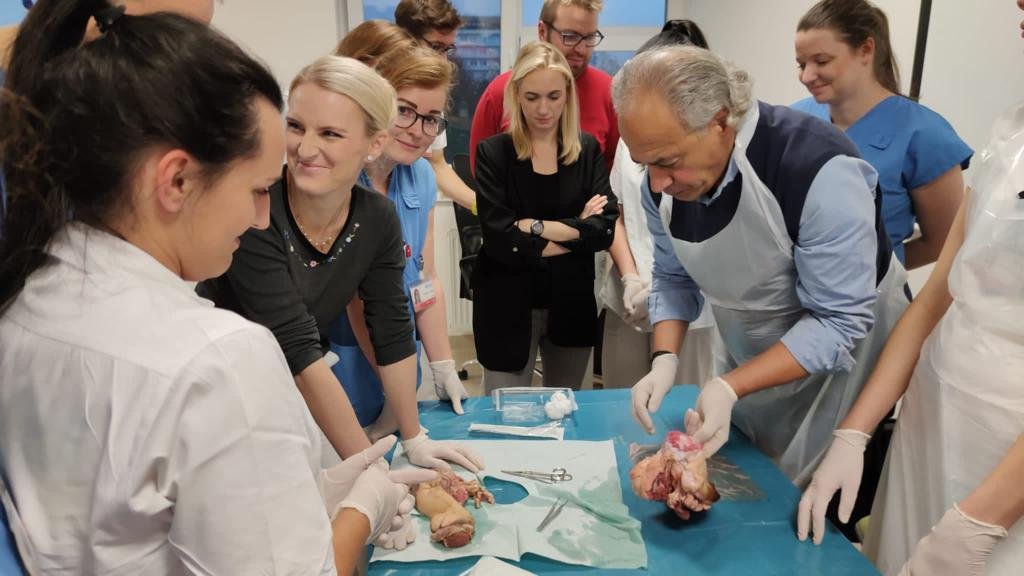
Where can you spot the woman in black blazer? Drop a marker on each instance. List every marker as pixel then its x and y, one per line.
pixel 545 208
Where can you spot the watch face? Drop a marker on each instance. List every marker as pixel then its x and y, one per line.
pixel 537 228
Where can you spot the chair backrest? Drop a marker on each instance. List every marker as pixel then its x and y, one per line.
pixel 470 237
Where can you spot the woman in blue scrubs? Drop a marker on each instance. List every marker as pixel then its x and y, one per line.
pixel 421 80
pixel 847 63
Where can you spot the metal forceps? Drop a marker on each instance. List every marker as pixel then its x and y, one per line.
pixel 556 508
pixel 554 477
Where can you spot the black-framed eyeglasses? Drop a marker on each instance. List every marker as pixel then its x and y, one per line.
pixel 574 38
pixel 433 125
pixel 446 50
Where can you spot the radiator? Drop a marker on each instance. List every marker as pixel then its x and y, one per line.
pixel 460 311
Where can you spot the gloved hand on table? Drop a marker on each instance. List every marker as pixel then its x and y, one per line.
pixel 447 384
pixel 363 482
pixel 634 300
pixel 427 453
pixel 714 407
pixel 650 390
pixel 841 469
pixel 958 544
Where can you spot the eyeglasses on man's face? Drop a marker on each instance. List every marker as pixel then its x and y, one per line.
pixel 574 38
pixel 433 124
pixel 446 50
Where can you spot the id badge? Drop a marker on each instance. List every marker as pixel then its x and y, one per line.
pixel 423 295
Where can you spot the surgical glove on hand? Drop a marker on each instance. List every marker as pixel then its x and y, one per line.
pixel 634 301
pixel 639 318
pixel 427 453
pixel 338 480
pixel 841 469
pixel 958 544
pixel 714 406
pixel 631 286
pixel 402 531
pixel 447 384
pixel 648 393
pixel 378 498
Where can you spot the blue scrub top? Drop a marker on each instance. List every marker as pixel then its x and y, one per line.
pixel 909 145
pixel 413 189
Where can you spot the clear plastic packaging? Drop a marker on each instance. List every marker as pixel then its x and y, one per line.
pixel 526 405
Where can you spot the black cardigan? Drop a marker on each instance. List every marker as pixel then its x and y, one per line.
pixel 502 278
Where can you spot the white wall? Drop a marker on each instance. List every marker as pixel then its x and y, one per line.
pixel 974 65
pixel 285 35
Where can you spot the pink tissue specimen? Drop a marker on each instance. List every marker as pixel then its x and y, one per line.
pixel 676 475
pixel 443 502
pixel 461 490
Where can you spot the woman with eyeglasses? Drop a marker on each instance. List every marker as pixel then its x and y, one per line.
pixel 331 238
pixel 545 209
pixel 421 80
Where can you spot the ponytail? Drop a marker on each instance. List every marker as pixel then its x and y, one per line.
pixel 75 118
pixel 36 207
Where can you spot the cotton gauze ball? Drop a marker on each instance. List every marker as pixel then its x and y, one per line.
pixel 559 406
pixel 556 411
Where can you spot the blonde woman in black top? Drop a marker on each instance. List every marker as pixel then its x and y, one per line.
pixel 545 208
pixel 328 240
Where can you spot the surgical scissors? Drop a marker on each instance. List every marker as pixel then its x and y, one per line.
pixel 555 476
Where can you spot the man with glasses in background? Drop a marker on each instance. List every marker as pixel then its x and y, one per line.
pixel 434 23
pixel 570 26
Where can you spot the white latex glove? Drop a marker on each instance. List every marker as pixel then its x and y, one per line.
pixel 631 286
pixel 634 300
pixel 648 393
pixel 427 453
pixel 338 480
pixel 841 469
pixel 402 531
pixel 447 384
pixel 958 544
pixel 714 406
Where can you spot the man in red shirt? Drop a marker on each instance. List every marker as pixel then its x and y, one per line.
pixel 571 26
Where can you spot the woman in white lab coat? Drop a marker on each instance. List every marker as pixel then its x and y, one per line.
pixel 141 430
pixel 951 494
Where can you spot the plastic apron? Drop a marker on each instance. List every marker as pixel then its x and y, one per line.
pixel 964 406
pixel 748 275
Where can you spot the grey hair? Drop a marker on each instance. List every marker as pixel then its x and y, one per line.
pixel 695 83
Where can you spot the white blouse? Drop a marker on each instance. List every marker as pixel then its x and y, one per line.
pixel 143 431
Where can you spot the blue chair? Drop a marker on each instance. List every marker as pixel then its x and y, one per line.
pixel 10 561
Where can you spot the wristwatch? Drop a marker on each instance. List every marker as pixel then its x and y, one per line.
pixel 537 227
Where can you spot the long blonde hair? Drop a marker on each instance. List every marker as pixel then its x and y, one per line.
pixel 543 56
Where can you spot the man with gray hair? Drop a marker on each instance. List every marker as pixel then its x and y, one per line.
pixel 773 215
